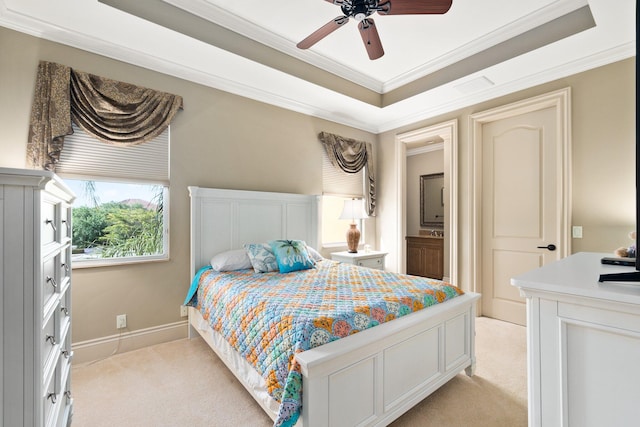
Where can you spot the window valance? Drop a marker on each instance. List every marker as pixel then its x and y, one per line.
pixel 351 156
pixel 111 111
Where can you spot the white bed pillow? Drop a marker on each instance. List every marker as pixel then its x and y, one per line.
pixel 315 255
pixel 231 260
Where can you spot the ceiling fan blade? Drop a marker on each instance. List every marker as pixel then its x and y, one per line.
pixel 323 32
pixel 371 38
pixel 414 7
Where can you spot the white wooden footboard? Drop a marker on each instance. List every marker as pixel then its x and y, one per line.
pixel 373 377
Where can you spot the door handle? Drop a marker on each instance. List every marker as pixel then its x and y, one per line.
pixel 550 247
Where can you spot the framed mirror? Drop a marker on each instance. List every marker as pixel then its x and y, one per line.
pixel 432 200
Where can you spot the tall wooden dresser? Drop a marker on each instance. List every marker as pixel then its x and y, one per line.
pixel 35 278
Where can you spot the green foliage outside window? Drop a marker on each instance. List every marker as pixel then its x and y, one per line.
pixel 114 229
pixel 88 224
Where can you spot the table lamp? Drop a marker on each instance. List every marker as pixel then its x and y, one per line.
pixel 353 209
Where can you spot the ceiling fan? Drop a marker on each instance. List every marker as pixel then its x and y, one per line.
pixel 360 10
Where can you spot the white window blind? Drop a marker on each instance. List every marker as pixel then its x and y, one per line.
pixel 85 157
pixel 339 183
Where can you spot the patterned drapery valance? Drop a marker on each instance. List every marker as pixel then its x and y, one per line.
pixel 351 156
pixel 111 111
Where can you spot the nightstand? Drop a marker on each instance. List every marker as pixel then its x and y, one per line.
pixel 372 259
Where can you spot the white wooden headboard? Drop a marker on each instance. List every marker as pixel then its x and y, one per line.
pixel 222 220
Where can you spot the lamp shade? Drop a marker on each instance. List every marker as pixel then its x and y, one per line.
pixel 353 209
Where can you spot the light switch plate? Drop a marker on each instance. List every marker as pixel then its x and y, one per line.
pixel 576 232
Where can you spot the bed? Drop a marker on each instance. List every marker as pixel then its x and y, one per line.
pixel 361 379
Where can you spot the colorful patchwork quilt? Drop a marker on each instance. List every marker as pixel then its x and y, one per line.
pixel 269 317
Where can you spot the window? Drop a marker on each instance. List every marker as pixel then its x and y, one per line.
pixel 121 212
pixel 334 230
pixel 338 186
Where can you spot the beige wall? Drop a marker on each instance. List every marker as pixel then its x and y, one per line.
pixel 219 140
pixel 603 163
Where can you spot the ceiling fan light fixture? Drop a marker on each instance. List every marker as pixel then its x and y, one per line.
pixel 359 10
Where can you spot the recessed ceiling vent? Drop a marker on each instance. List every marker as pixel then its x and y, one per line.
pixel 474 85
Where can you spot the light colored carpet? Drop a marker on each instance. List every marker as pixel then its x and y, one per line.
pixel 183 384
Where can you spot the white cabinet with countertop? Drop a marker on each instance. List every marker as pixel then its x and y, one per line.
pixel 583 344
pixel 35 279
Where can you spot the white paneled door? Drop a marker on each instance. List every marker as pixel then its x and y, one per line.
pixel 520 207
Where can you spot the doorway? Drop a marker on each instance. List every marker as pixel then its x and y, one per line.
pixel 447 133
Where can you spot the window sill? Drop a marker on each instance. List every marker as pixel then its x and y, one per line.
pixel 117 261
pixel 334 245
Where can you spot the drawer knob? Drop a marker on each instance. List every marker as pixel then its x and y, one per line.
pixel 65 353
pixel 51 339
pixel 65 266
pixel 51 223
pixel 52 281
pixel 65 310
pixel 67 394
pixel 52 397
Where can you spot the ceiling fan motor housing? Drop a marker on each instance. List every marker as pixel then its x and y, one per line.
pixel 359 9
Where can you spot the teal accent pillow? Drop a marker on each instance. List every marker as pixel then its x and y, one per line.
pixel 291 255
pixel 261 257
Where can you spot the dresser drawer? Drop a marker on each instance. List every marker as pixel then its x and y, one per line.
pixel 49 341
pixel 49 222
pixel 371 263
pixel 64 312
pixel 66 403
pixel 49 280
pixel 50 400
pixel 64 265
pixel 65 353
pixel 65 222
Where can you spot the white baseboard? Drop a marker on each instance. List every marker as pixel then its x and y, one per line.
pixel 99 348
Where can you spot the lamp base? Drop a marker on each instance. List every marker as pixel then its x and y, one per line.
pixel 353 238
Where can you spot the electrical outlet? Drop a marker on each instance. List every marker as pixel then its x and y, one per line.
pixel 183 311
pixel 121 321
